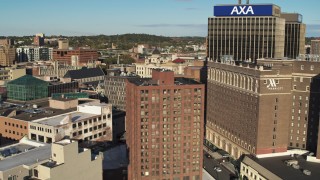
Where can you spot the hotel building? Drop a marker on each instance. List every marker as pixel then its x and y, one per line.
pixel 263 108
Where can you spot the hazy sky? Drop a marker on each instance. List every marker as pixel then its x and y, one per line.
pixel 159 17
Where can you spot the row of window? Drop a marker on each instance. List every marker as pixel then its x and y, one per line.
pixel 13 132
pixel 89 130
pixel 79 124
pixel 95 136
pixel 41 129
pixel 15 125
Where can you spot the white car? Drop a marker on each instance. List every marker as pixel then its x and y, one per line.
pixel 218 169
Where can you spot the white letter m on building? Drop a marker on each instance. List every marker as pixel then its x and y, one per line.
pixel 272 83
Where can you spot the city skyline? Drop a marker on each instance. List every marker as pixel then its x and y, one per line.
pixel 167 18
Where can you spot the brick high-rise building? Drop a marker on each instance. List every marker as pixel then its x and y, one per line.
pixel 76 57
pixel 38 40
pixel 263 108
pixel 165 117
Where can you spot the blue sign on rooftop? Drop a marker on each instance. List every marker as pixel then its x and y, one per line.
pixel 243 10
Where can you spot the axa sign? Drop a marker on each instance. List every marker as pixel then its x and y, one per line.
pixel 243 10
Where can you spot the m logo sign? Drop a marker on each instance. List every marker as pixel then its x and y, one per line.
pixel 272 84
pixel 242 10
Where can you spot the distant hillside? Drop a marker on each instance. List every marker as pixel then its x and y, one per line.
pixel 127 41
pixel 124 41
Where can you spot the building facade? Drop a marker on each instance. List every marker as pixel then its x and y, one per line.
pixel 63 43
pixel 164 119
pixel 54 161
pixel 115 90
pixel 315 47
pixel 91 121
pixel 274 106
pixel 295 32
pixel 76 57
pixel 65 156
pixel 10 73
pixel 13 128
pixel 7 55
pixel 27 88
pixel 245 36
pixel 253 31
pixel 38 40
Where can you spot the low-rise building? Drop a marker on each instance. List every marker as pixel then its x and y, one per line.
pixel 31 53
pixel 11 73
pixel 70 162
pixel 91 121
pixel 27 88
pixel 85 75
pixel 293 164
pixel 20 160
pixel 12 128
pixel 75 57
pixel 56 161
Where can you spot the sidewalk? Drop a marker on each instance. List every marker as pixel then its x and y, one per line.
pixel 206 175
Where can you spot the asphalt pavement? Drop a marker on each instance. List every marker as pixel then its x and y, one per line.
pixel 209 164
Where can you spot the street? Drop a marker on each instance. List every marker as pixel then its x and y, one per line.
pixel 209 165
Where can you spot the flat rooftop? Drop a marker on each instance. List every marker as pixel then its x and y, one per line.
pixel 180 81
pixel 277 166
pixel 32 114
pixel 26 158
pixel 60 119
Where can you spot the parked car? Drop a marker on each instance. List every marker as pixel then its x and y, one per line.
pixel 218 169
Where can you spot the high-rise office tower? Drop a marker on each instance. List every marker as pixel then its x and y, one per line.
pixel 294 35
pixel 253 31
pixel 164 120
pixel 248 32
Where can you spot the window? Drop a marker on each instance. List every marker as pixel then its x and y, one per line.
pixel 302 67
pixel 312 67
pixel 294 87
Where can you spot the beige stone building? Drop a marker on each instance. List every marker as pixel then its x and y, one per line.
pixel 145 70
pixel 61 160
pixel 11 73
pixel 70 162
pixel 7 55
pixel 91 121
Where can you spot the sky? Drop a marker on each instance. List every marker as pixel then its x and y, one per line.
pixel 111 17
